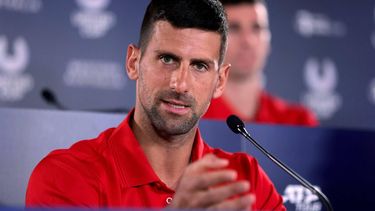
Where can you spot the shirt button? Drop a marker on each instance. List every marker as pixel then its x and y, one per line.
pixel 169 200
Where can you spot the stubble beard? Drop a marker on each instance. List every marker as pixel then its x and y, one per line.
pixel 169 125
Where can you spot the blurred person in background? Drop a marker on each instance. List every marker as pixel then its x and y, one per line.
pixel 248 48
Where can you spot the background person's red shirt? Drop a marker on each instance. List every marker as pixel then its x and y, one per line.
pixel 271 110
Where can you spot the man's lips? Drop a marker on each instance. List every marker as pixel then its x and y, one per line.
pixel 176 103
pixel 176 107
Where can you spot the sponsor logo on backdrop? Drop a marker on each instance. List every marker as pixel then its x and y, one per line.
pixel 14 84
pixel 372 83
pixel 105 75
pixel 372 91
pixel 302 198
pixel 309 24
pixel 92 20
pixel 24 6
pixel 372 38
pixel 321 80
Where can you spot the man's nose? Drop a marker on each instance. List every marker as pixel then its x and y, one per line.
pixel 248 38
pixel 179 79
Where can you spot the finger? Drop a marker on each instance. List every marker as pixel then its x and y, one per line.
pixel 209 161
pixel 241 203
pixel 206 180
pixel 222 193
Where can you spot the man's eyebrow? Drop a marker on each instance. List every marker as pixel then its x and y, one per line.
pixel 205 61
pixel 167 53
pixel 233 24
pixel 193 60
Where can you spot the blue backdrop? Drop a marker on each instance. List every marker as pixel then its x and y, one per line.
pixel 322 55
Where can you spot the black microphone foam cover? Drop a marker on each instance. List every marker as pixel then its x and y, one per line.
pixel 48 96
pixel 235 123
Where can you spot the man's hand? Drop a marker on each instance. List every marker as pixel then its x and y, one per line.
pixel 206 184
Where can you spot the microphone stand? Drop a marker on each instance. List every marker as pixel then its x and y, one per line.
pixel 240 128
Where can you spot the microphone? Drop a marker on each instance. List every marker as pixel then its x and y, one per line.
pixel 238 127
pixel 49 97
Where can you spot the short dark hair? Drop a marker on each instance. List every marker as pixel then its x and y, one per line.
pixel 206 15
pixel 235 2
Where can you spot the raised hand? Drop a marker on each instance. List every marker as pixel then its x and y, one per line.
pixel 207 184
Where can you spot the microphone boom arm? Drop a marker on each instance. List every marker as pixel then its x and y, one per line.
pixel 237 126
pixel 294 174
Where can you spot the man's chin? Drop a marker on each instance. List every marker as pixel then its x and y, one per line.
pixel 175 130
pixel 175 125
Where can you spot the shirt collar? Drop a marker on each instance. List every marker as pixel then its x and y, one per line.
pixel 134 167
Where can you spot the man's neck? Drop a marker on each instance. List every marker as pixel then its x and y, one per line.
pixel 243 95
pixel 168 157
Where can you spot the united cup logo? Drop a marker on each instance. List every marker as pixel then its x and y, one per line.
pixel 92 21
pixel 321 80
pixel 13 83
pixel 302 198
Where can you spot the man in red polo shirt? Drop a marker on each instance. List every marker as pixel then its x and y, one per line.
pixel 248 47
pixel 156 157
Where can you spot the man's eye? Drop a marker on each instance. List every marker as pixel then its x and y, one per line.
pixel 166 59
pixel 234 28
pixel 201 67
pixel 257 28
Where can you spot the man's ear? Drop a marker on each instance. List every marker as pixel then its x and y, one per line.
pixel 223 77
pixel 132 61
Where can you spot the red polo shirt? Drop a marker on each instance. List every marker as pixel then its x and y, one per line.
pixel 112 171
pixel 271 110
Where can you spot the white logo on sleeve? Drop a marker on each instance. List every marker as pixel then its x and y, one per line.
pixel 92 20
pixel 321 80
pixel 169 200
pixel 302 198
pixel 13 83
